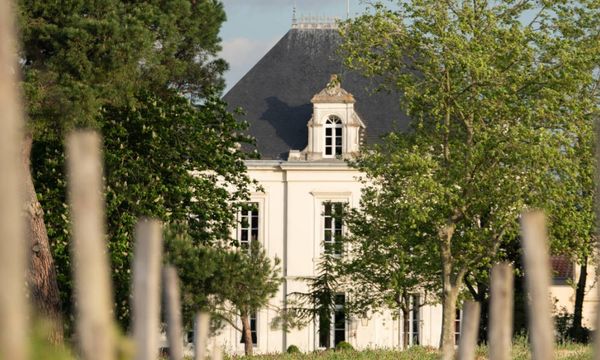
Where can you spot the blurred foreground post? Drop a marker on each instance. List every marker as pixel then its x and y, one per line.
pixel 95 326
pixel 597 232
pixel 146 289
pixel 537 276
pixel 501 312
pixel 173 313
pixel 469 331
pixel 201 335
pixel 13 319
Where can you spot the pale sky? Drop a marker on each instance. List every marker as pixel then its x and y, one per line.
pixel 254 26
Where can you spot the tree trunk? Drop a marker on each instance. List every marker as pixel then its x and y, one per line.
pixel 41 279
pixel 577 331
pixel 449 294
pixel 449 297
pixel 247 334
pixel 406 326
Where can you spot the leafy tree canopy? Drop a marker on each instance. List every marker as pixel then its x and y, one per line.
pixel 496 104
pixel 78 56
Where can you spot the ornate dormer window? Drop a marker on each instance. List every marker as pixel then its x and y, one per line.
pixel 334 129
pixel 333 136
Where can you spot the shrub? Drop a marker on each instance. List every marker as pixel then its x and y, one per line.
pixel 344 346
pixel 293 349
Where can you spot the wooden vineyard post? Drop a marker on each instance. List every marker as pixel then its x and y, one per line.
pixel 201 335
pixel 173 313
pixel 597 232
pixel 501 312
pixel 469 331
pixel 13 308
pixel 95 326
pixel 146 288
pixel 537 276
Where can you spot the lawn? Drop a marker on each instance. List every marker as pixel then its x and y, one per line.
pixel 520 352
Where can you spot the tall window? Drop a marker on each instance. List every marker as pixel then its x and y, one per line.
pixel 248 229
pixel 415 320
pixel 332 330
pixel 253 330
pixel 333 136
pixel 332 227
pixel 457 324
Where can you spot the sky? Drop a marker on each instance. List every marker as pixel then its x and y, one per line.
pixel 254 26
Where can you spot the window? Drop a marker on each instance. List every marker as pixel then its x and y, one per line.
pixel 333 136
pixel 339 320
pixel 253 330
pixel 332 330
pixel 457 324
pixel 332 227
pixel 248 229
pixel 415 320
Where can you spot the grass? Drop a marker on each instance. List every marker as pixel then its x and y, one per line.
pixel 520 352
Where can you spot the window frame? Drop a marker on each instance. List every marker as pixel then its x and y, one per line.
pixel 331 335
pixel 253 318
pixel 414 320
pixel 333 131
pixel 457 325
pixel 251 227
pixel 335 229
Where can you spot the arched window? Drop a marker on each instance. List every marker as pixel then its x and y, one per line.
pixel 333 136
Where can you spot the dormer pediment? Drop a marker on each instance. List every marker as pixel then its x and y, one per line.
pixel 333 93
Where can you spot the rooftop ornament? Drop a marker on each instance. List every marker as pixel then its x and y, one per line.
pixel 314 22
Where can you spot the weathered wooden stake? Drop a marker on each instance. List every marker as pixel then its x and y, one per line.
pixel 469 330
pixel 501 312
pixel 13 323
pixel 537 276
pixel 173 312
pixel 146 289
pixel 201 335
pixel 95 326
pixel 597 208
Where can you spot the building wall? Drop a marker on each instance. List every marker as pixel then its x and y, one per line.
pixel 291 228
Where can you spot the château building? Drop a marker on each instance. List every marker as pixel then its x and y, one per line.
pixel 308 114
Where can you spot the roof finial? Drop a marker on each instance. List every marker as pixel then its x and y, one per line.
pixel 347 9
pixel 294 14
pixel 334 82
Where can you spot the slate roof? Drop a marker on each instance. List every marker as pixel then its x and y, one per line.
pixel 275 94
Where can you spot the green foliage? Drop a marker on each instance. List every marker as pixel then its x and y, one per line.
pixel 127 69
pixel 344 346
pixel 165 158
pixel 499 109
pixel 293 349
pixel 79 56
pixel 318 303
pixel 225 280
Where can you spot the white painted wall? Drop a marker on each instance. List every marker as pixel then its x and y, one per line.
pixel 290 211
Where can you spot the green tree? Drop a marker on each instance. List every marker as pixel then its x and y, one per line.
pixel 495 105
pixel 80 57
pixel 164 158
pixel 384 262
pixel 317 304
pixel 229 282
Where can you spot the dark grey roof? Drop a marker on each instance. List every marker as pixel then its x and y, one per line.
pixel 275 94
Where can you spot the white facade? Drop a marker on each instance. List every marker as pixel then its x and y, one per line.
pixel 291 228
